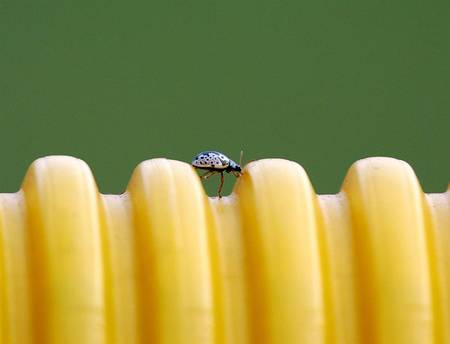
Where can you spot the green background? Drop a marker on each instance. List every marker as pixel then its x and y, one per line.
pixel 320 82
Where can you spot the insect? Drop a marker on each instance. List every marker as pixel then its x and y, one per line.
pixel 215 162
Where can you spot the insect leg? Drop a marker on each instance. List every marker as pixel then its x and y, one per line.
pixel 236 174
pixel 207 174
pixel 221 185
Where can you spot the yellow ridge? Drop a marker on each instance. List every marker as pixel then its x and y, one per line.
pixel 271 263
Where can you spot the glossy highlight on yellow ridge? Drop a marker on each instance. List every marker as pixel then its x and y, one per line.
pixel 271 263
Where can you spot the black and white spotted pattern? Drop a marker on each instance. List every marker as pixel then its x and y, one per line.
pixel 211 160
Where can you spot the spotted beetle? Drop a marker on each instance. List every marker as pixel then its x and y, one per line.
pixel 215 162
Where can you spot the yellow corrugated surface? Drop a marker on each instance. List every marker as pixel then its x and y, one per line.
pixel 272 263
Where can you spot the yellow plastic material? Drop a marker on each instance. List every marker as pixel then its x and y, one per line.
pixel 271 263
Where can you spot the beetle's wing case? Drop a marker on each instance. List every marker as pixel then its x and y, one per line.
pixel 211 160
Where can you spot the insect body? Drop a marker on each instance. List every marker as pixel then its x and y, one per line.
pixel 215 162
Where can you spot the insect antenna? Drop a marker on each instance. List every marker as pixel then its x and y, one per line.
pixel 240 159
